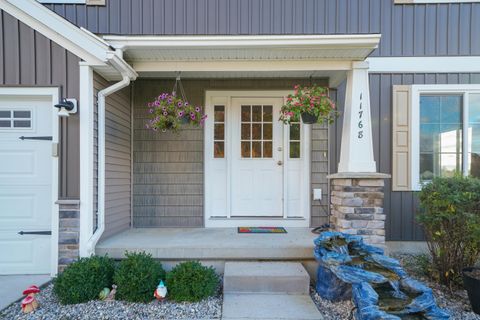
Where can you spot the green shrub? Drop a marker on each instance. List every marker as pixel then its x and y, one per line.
pixel 137 276
pixel 451 219
pixel 190 281
pixel 82 280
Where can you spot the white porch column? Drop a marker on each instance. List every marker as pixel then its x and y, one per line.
pixel 86 109
pixel 356 153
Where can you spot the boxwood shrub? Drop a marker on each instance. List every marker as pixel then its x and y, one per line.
pixel 191 281
pixel 82 280
pixel 137 276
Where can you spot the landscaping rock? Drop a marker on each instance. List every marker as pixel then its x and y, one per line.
pixel 50 308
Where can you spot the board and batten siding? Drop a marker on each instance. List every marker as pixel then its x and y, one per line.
pixel 407 30
pixel 30 59
pixel 168 171
pixel 400 206
pixel 118 126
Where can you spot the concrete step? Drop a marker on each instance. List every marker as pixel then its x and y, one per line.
pixel 266 277
pixel 242 306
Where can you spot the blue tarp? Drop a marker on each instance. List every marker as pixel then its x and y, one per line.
pixel 378 285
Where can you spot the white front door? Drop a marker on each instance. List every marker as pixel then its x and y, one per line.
pixel 25 184
pixel 257 157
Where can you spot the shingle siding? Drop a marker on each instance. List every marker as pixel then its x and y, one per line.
pixel 168 168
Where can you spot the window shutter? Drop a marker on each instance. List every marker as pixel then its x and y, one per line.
pixel 401 139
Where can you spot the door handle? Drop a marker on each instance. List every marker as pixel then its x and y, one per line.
pixel 280 162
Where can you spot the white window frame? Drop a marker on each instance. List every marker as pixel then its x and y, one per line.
pixel 416 92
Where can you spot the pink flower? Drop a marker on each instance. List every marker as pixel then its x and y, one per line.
pixel 180 114
pixel 165 113
pixel 150 110
pixel 197 109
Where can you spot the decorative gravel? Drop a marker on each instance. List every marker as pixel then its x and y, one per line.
pixel 50 308
pixel 456 302
pixel 342 310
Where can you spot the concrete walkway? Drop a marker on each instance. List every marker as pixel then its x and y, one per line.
pixel 12 286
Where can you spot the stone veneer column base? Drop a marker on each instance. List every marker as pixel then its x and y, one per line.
pixel 357 205
pixel 68 232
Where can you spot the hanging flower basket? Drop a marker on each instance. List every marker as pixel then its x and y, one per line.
pixel 170 112
pixel 311 104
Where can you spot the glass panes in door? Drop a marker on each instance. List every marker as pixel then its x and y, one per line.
pixel 256 131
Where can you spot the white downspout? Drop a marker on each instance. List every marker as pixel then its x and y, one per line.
pixel 102 94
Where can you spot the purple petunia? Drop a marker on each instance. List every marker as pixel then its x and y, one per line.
pixel 169 100
pixel 165 113
pixel 179 104
pixel 157 103
pixel 186 104
pixel 180 114
pixel 192 116
pixel 150 110
pixel 198 109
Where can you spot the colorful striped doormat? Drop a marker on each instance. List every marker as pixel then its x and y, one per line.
pixel 261 230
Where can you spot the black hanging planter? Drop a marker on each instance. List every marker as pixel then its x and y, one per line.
pixel 472 285
pixel 309 118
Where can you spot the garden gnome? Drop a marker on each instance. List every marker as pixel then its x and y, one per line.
pixel 161 291
pixel 111 295
pixel 29 303
pixel 104 293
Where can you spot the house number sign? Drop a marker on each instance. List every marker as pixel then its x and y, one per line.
pixel 360 119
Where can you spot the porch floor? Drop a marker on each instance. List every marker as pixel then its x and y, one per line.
pixel 210 244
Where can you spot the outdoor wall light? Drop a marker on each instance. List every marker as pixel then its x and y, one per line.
pixel 66 106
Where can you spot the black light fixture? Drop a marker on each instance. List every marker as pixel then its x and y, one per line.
pixel 66 106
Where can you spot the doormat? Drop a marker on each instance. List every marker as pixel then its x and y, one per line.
pixel 261 230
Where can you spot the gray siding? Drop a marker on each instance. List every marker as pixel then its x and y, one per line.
pixel 29 59
pixel 400 207
pixel 407 30
pixel 168 168
pixel 117 158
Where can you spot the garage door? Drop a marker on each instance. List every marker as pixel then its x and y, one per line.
pixel 25 185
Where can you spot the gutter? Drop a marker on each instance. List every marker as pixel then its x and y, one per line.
pixel 128 74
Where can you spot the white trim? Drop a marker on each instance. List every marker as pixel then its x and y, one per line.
pixel 432 1
pixel 86 156
pixel 52 92
pixel 416 91
pixel 58 29
pixel 242 65
pixel 468 64
pixel 251 41
pixel 225 97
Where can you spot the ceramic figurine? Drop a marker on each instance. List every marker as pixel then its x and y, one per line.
pixel 104 293
pixel 161 291
pixel 29 303
pixel 111 295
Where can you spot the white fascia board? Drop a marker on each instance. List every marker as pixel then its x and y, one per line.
pixel 369 41
pixel 58 29
pixel 450 64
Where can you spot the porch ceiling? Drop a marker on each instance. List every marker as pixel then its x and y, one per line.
pixel 245 56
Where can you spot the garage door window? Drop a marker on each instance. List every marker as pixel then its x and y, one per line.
pixel 15 119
